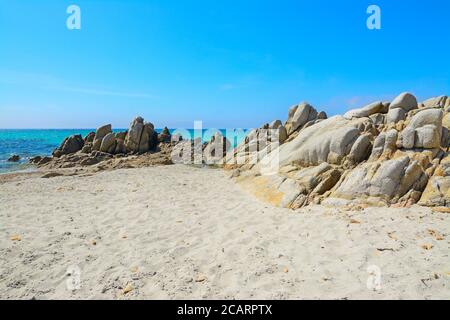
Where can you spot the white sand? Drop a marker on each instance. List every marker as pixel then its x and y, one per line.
pixel 182 233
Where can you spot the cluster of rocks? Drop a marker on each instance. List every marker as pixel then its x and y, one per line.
pixel 385 153
pixel 393 153
pixel 139 146
pixel 140 138
pixel 217 150
pixel 260 141
pixel 105 145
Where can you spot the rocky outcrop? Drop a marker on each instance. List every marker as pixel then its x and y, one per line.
pixel 424 130
pixel 89 137
pixel 383 154
pixel 405 101
pixel 373 108
pixel 140 138
pixel 108 144
pixel 401 105
pixel 441 102
pixel 298 116
pixel 195 151
pixel 337 137
pixel 395 115
pixel 386 180
pixel 70 145
pixel 99 161
pixel 258 143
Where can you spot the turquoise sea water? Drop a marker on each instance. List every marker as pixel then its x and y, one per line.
pixel 29 143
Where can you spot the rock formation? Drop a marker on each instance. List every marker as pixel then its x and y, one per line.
pixel 141 136
pixel 100 133
pixel 14 158
pixel 105 145
pixel 299 116
pixel 385 153
pixel 382 154
pixel 70 145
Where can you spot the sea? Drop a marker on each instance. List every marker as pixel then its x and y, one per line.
pixel 28 143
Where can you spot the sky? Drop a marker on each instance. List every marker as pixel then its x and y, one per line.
pixel 230 64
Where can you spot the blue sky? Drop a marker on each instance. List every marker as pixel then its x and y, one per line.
pixel 233 63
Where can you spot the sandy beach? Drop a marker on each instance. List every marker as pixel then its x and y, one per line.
pixel 229 151
pixel 181 232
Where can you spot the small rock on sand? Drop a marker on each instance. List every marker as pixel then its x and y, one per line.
pixel 51 175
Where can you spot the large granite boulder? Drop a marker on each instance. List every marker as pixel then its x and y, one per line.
pixel 337 136
pixel 300 115
pixel 282 131
pixel 70 145
pixel 386 180
pixel 368 156
pixel 141 136
pixel 120 143
pixel 423 131
pixel 405 101
pixel 304 168
pixel 437 102
pixel 373 108
pixel 108 144
pixel 100 133
pixel 257 144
